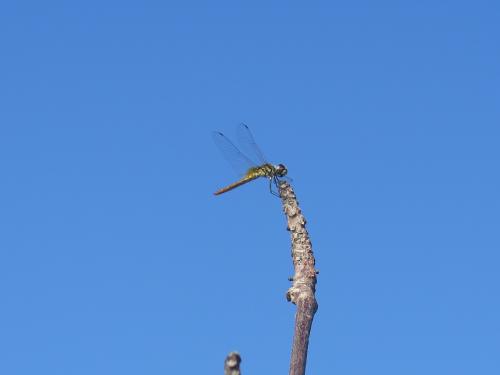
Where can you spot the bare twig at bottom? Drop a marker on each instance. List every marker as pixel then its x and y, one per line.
pixel 232 364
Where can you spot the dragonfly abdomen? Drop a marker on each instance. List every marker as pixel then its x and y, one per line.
pixel 236 184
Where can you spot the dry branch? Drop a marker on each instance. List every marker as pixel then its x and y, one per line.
pixel 302 291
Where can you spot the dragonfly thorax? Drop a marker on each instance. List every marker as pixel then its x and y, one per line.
pixel 268 170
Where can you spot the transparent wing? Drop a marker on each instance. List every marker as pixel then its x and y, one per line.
pixel 235 157
pixel 247 142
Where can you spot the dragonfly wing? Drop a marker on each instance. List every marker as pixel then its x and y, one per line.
pixel 235 157
pixel 247 141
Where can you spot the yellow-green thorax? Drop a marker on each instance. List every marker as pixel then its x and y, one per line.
pixel 266 170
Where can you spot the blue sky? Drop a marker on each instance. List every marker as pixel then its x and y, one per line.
pixel 115 257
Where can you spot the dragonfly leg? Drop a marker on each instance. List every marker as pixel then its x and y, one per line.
pixel 274 181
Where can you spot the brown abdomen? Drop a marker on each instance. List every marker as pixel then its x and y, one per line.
pixel 235 185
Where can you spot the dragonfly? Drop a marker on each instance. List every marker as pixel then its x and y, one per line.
pixel 245 166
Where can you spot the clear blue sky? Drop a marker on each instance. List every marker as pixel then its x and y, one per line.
pixel 115 257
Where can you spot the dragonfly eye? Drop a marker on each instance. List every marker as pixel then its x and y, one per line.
pixel 281 170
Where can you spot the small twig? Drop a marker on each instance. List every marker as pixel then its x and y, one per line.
pixel 301 293
pixel 232 364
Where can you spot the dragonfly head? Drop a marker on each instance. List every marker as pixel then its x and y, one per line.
pixel 280 170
